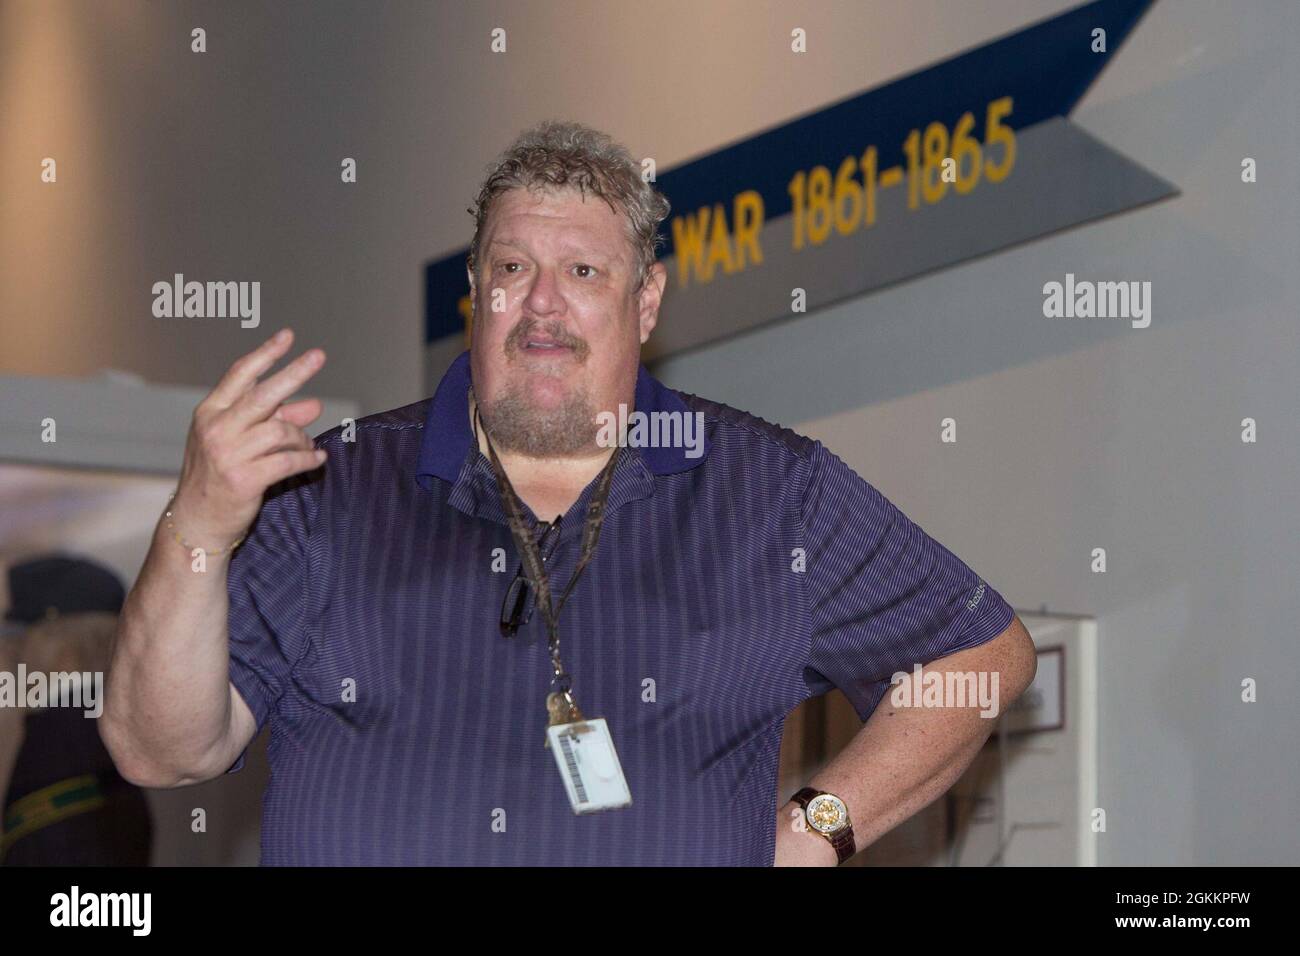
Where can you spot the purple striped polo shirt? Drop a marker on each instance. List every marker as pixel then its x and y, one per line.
pixel 727 588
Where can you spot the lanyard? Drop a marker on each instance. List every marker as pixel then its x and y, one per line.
pixel 531 555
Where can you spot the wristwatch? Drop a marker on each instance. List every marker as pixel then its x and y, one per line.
pixel 827 815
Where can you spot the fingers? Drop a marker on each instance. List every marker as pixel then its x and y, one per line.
pixel 301 413
pixel 273 436
pixel 260 402
pixel 245 371
pixel 276 467
pixel 242 439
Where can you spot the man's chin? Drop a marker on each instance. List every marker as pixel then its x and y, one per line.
pixel 546 389
pixel 543 419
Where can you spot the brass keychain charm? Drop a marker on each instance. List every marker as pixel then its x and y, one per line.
pixel 561 708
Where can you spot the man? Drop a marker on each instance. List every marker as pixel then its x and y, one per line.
pixel 717 587
pixel 64 802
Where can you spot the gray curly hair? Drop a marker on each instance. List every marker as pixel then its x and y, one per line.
pixel 557 154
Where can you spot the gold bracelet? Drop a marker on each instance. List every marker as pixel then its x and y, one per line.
pixel 185 544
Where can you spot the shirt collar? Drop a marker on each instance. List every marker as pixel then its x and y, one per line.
pixel 447 438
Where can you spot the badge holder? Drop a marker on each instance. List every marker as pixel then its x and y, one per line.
pixel 585 755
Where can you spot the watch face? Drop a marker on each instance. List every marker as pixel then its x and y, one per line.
pixel 827 813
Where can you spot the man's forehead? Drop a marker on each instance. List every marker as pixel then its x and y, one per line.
pixel 519 225
pixel 562 219
pixel 580 240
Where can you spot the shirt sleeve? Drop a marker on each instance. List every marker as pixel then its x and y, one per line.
pixel 883 595
pixel 267 587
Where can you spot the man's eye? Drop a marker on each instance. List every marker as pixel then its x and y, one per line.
pixel 585 271
pixel 507 267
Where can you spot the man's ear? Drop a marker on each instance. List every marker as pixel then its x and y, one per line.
pixel 472 318
pixel 649 299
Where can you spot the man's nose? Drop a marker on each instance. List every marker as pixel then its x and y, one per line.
pixel 544 296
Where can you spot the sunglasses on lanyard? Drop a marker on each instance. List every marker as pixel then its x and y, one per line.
pixel 517 609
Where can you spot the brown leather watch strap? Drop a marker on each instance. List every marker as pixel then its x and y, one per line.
pixel 804 796
pixel 843 842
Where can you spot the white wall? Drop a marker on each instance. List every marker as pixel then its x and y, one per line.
pixel 1074 435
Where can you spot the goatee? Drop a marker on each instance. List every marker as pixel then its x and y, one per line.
pixel 516 424
pixel 512 418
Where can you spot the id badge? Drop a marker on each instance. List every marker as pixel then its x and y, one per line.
pixel 593 778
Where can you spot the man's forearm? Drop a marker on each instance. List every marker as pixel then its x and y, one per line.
pixel 168 690
pixel 904 758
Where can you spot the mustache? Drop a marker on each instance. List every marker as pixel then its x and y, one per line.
pixel 553 330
